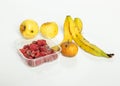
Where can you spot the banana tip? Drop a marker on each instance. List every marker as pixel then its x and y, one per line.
pixel 110 55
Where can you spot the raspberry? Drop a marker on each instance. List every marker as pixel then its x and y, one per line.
pixel 43 53
pixel 44 48
pixel 28 52
pixel 34 42
pixel 41 42
pixel 34 47
pixel 33 53
pixel 26 55
pixel 26 47
pixel 22 50
pixel 30 57
pixel 37 54
pixel 50 51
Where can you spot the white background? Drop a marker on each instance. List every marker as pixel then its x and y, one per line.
pixel 101 26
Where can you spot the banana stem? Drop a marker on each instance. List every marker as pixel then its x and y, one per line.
pixel 110 55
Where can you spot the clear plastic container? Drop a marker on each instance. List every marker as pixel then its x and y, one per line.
pixel 39 60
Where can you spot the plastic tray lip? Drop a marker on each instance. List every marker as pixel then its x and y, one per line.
pixel 30 41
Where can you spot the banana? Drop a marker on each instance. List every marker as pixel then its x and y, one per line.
pixel 78 24
pixel 67 34
pixel 83 43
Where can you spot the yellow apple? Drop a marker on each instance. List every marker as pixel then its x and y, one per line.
pixel 29 28
pixel 49 29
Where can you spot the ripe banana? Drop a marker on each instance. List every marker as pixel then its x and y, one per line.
pixel 83 43
pixel 78 24
pixel 67 34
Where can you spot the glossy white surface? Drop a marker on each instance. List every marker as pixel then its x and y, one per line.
pixel 100 26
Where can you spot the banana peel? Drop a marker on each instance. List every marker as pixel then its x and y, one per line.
pixel 67 34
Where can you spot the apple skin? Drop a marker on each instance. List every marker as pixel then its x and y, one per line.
pixel 49 29
pixel 29 28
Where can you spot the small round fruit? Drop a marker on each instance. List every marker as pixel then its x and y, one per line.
pixel 49 29
pixel 69 49
pixel 29 28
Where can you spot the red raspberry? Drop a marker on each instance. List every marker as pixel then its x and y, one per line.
pixel 26 47
pixel 43 53
pixel 33 54
pixel 22 51
pixel 50 51
pixel 44 48
pixel 34 47
pixel 41 42
pixel 37 54
pixel 28 52
pixel 30 57
pixel 26 55
pixel 34 42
